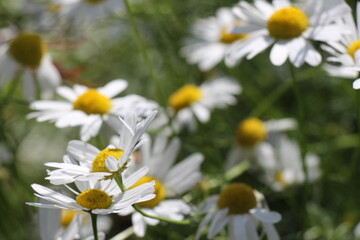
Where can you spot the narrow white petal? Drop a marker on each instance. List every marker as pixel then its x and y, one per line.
pixel 265 215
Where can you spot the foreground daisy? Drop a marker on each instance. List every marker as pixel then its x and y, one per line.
pixel 86 162
pixel 251 134
pixel 288 28
pixel 96 197
pixel 213 39
pixel 191 102
pixel 170 181
pixel 281 163
pixel 238 207
pixel 26 57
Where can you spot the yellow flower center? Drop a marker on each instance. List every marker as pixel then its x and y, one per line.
pixel 286 23
pixel 55 8
pixel 226 37
pixel 160 192
pixel 67 216
pixel 250 131
pixel 185 96
pixel 92 102
pixel 353 47
pixel 94 1
pixel 98 165
pixel 94 199
pixel 27 49
pixel 280 178
pixel 239 198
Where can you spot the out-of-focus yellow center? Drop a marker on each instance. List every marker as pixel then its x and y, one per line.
pixel 250 132
pixel 353 47
pixel 160 192
pixel 280 178
pixel 226 37
pixel 92 102
pixel 239 198
pixel 286 23
pixel 94 199
pixel 98 165
pixel 185 96
pixel 67 216
pixel 55 8
pixel 94 1
pixel 27 49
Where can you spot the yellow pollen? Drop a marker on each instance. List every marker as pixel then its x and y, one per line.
pixel 55 8
pixel 353 47
pixel 160 192
pixel 94 1
pixel 185 96
pixel 92 102
pixel 28 49
pixel 98 165
pixel 67 216
pixel 226 37
pixel 239 198
pixel 286 23
pixel 94 199
pixel 280 178
pixel 250 132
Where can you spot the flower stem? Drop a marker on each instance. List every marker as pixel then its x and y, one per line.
pixel 120 183
pixel 94 225
pixel 144 53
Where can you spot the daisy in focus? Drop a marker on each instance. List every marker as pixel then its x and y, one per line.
pixel 171 181
pixel 213 39
pixel 251 135
pixel 289 28
pixel 26 56
pixel 239 207
pixel 85 162
pixel 345 57
pixel 191 102
pixel 282 165
pixel 86 107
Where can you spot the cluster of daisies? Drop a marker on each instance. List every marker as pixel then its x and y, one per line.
pixel 139 173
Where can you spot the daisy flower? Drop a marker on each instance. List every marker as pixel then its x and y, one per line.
pixel 85 162
pixel 238 207
pixel 27 54
pixel 96 197
pixel 282 164
pixel 170 181
pixel 289 28
pixel 85 107
pixel 251 134
pixel 213 39
pixel 87 11
pixel 191 102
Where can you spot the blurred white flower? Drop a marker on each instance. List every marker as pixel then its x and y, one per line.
pixel 170 181
pixel 27 54
pixel 212 39
pixel 191 102
pixel 288 27
pixel 238 207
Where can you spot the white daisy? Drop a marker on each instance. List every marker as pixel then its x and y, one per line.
pixel 191 102
pixel 88 12
pixel 86 107
pixel 170 181
pixel 288 27
pixel 282 164
pixel 213 39
pixel 97 197
pixel 238 207
pixel 84 161
pixel 27 54
pixel 251 134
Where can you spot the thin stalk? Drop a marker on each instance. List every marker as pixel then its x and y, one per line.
pixel 11 90
pixel 94 225
pixel 144 54
pixel 121 185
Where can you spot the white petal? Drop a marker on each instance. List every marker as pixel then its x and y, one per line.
pixel 279 53
pixel 220 219
pixel 113 88
pixel 265 215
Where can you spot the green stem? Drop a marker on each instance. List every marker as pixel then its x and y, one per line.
pixel 94 225
pixel 120 183
pixel 11 90
pixel 144 54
